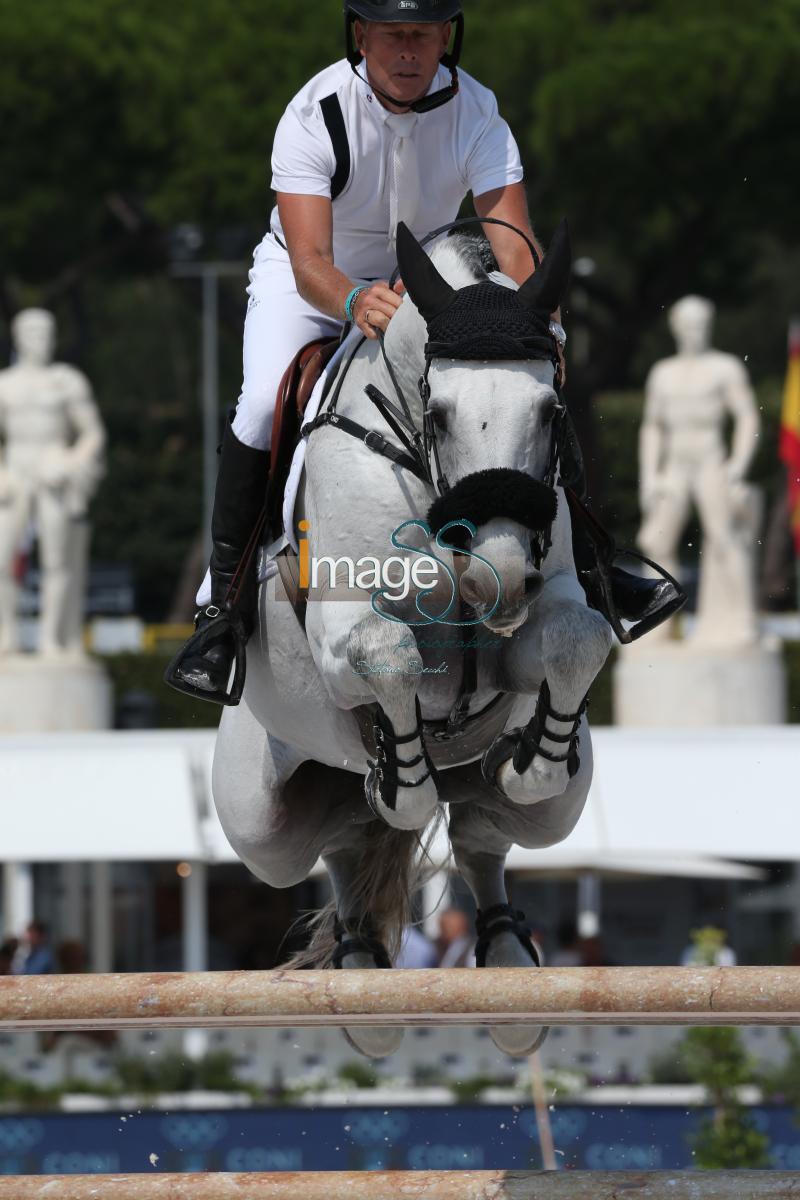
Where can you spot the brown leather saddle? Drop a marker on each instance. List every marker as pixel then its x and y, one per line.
pixel 294 393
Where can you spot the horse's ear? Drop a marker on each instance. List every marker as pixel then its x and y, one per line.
pixel 544 289
pixel 426 287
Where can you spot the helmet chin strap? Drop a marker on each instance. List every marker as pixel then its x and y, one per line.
pixel 425 103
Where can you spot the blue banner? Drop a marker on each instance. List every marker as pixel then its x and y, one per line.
pixel 361 1139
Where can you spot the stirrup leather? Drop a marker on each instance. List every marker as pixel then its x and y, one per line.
pixel 502 918
pixel 352 940
pixel 524 742
pixel 221 622
pixel 383 771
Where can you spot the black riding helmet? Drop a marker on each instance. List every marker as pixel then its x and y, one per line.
pixel 412 12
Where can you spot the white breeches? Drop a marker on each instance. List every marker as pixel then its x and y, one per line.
pixel 277 324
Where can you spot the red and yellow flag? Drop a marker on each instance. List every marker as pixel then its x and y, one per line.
pixel 790 430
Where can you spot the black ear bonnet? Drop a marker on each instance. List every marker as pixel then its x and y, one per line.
pixel 487 321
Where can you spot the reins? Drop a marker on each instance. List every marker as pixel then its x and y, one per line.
pixel 420 447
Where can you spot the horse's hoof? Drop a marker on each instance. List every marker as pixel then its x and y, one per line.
pixel 541 781
pixel 504 941
pixel 518 1041
pixel 374 1043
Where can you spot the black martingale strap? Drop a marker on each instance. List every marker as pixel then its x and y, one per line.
pixel 334 123
pixel 501 918
pixel 530 738
pixel 358 938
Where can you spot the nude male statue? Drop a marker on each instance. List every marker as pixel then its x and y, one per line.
pixel 684 459
pixel 50 464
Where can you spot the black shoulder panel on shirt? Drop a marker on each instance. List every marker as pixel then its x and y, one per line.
pixel 334 122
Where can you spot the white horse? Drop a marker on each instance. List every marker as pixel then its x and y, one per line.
pixel 291 768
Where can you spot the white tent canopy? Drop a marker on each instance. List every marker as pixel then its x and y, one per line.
pixel 668 802
pixel 97 798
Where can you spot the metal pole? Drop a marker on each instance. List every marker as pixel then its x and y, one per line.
pixel 588 904
pixel 210 394
pixel 102 925
pixel 195 942
pixel 543 1126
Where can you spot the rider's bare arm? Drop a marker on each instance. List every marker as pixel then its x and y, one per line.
pixel 509 204
pixel 308 228
pixel 739 400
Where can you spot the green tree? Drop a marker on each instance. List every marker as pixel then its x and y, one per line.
pixel 716 1058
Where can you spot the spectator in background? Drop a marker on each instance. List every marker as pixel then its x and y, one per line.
pixel 456 941
pixel 416 950
pixel 708 947
pixel 37 957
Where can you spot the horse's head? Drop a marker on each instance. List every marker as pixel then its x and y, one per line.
pixel 491 417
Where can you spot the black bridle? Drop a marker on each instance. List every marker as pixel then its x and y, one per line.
pixel 420 453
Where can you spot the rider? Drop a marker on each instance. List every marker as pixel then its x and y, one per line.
pixel 390 133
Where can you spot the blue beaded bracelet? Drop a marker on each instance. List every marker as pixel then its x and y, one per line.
pixel 351 299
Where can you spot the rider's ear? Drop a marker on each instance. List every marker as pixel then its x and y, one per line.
pixel 426 287
pixel 544 289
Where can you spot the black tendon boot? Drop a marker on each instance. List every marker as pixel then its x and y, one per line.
pixel 203 666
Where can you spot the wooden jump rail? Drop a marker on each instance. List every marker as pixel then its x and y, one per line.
pixel 556 996
pixel 495 996
pixel 411 1185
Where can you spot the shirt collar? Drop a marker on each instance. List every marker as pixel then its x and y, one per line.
pixel 440 79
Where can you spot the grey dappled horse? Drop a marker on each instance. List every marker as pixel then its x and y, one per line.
pixel 292 778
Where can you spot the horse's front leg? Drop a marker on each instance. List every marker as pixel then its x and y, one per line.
pixel 558 653
pixel 400 785
pixel 365 658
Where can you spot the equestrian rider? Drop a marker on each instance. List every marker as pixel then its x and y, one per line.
pixel 390 133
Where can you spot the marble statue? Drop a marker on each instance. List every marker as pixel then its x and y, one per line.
pixel 50 463
pixel 685 460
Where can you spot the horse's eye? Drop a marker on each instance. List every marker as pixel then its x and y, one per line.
pixel 439 419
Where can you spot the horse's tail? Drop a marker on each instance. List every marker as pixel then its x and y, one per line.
pixel 394 865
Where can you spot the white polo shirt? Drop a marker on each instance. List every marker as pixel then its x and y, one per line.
pixel 403 166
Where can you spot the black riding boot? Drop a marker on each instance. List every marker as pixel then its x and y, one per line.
pixel 616 593
pixel 203 666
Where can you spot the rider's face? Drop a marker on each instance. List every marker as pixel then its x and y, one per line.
pixel 402 59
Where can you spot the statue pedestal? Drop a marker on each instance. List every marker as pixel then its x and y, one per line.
pixel 47 694
pixel 678 684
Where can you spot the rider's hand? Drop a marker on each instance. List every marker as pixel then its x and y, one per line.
pixel 375 307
